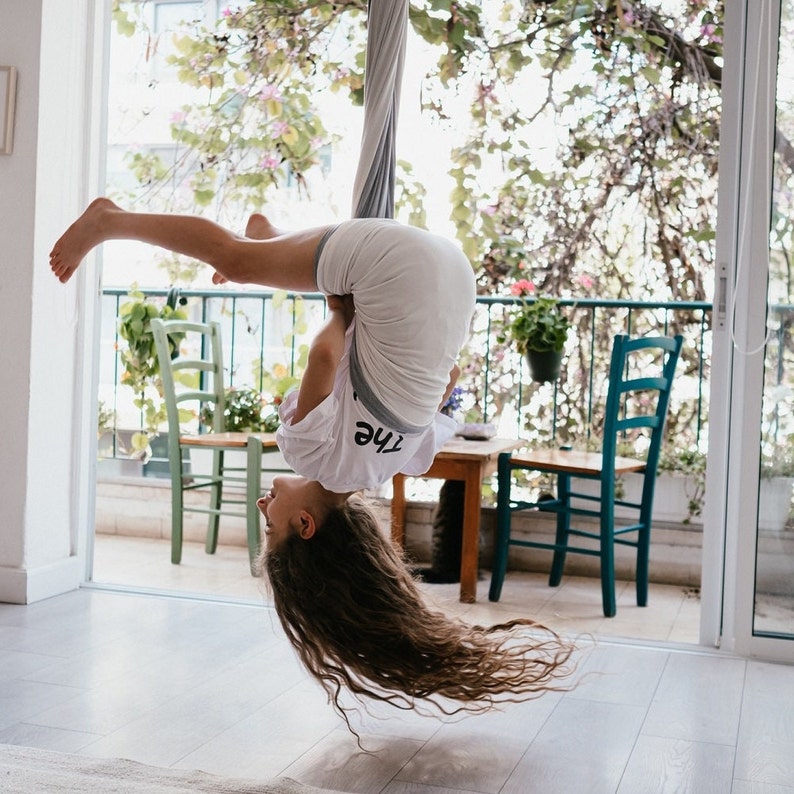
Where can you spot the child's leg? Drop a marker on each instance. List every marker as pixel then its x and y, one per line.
pixel 283 261
pixel 257 228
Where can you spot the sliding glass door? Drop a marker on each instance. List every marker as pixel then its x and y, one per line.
pixel 749 555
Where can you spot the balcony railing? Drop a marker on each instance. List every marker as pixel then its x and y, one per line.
pixel 266 335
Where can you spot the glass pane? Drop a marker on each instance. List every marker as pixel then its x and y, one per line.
pixel 774 593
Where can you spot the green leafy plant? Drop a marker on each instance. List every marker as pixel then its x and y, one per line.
pixel 105 418
pixel 106 425
pixel 246 410
pixel 139 359
pixel 538 324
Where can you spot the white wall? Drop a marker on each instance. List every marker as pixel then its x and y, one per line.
pixel 42 185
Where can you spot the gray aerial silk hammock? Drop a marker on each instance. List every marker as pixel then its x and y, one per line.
pixel 373 189
pixel 373 197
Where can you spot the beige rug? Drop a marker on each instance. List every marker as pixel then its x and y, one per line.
pixel 24 770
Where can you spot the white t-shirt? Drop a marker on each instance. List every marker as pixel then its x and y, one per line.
pixel 414 293
pixel 345 448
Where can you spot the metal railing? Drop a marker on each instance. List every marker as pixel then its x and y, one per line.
pixel 266 336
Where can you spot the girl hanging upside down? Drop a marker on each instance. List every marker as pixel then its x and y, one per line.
pixel 400 301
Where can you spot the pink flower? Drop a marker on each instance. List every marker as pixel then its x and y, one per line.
pixel 279 128
pixel 269 162
pixel 585 281
pixel 522 287
pixel 270 92
pixel 709 32
pixel 178 117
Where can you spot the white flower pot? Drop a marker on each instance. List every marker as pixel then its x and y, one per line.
pixel 774 502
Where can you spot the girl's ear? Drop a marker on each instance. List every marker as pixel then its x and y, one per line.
pixel 306 525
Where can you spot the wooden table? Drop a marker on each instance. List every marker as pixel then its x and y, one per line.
pixel 471 462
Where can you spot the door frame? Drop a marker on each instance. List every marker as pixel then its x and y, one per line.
pixel 746 154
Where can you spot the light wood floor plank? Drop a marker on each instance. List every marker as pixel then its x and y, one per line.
pixel 621 674
pixel 21 700
pixel 61 741
pixel 765 748
pixel 699 699
pixel 263 744
pixel 480 752
pixel 583 749
pixel 338 763
pixel 402 787
pixel 660 765
pixel 754 787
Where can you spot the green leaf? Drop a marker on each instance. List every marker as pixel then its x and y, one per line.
pixel 139 441
pixel 279 296
pixel 203 197
pixel 273 107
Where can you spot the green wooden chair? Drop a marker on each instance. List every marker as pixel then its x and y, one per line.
pixel 190 381
pixel 640 379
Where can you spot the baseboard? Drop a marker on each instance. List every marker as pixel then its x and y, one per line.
pixel 28 585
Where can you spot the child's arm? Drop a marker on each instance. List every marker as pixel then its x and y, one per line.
pixel 325 353
pixel 454 374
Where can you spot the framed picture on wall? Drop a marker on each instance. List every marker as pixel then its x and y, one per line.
pixel 8 90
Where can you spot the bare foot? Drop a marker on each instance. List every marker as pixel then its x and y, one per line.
pixel 257 228
pixel 83 235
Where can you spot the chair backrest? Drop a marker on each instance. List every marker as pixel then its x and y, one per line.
pixel 641 376
pixel 191 371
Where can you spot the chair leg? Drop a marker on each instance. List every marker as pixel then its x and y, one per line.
pixel 252 491
pixel 177 512
pixel 563 527
pixel 216 495
pixel 608 560
pixel 643 553
pixel 502 539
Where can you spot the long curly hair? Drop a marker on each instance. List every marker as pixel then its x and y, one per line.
pixel 357 619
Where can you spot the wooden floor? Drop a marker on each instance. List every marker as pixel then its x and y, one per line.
pixel 191 683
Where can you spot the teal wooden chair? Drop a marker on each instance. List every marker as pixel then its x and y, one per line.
pixel 189 381
pixel 640 379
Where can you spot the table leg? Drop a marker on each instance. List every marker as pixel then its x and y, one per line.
pixel 398 510
pixel 470 544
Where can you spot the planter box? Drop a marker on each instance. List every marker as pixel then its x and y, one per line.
pixel 774 503
pixel 272 463
pixel 121 465
pixel 110 465
pixel 671 502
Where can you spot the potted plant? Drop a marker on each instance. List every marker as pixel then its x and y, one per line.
pixel 141 367
pixel 539 331
pixel 246 411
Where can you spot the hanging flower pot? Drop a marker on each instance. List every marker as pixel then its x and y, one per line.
pixel 544 365
pixel 539 331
